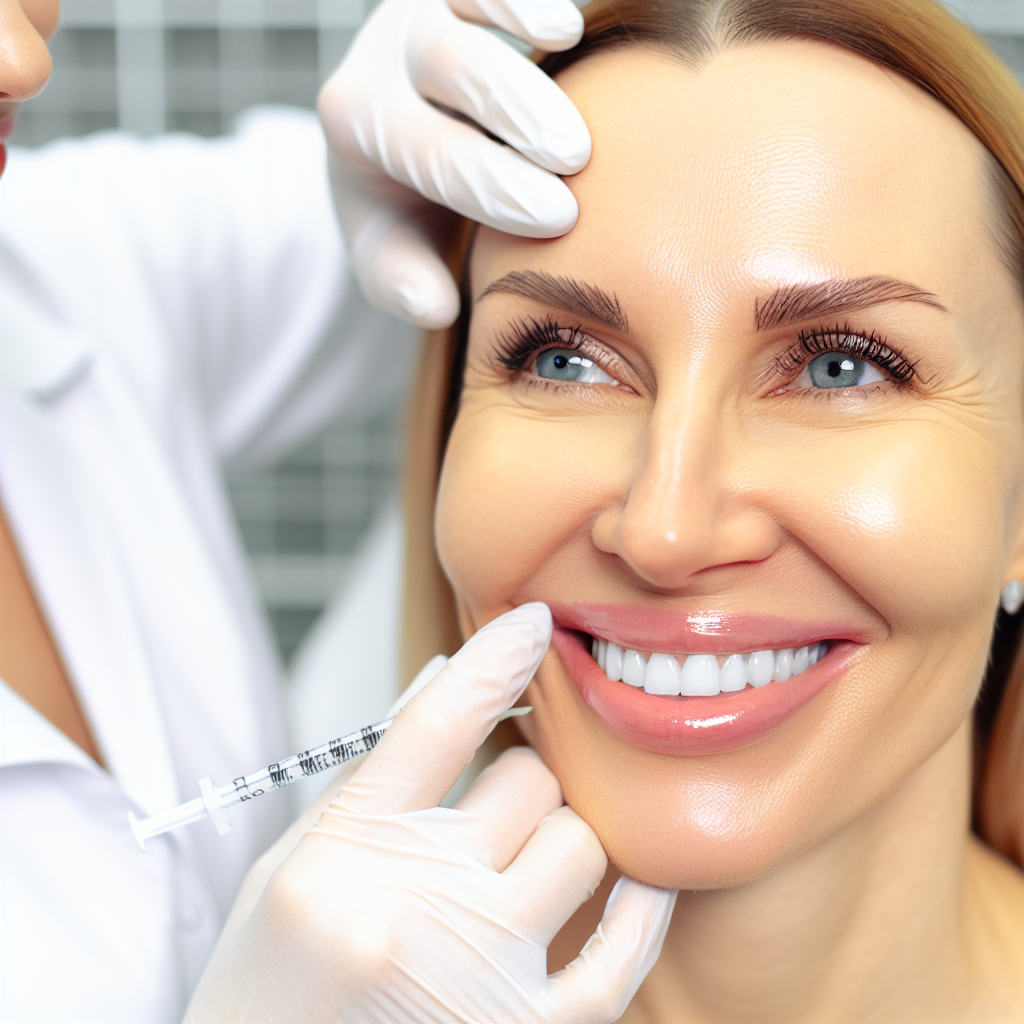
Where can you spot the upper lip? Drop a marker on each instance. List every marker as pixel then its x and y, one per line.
pixel 705 631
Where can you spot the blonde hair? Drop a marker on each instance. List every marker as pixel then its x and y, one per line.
pixel 921 41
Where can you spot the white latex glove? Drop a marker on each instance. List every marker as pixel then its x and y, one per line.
pixel 392 148
pixel 392 909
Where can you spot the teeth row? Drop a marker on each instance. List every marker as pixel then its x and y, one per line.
pixel 701 675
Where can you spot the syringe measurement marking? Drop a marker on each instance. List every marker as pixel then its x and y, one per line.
pixel 309 762
pixel 213 799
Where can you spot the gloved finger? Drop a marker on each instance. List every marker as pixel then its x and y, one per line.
pixel 549 25
pixel 508 801
pixel 394 259
pixel 477 74
pixel 438 731
pixel 600 982
pixel 557 870
pixel 400 272
pixel 454 165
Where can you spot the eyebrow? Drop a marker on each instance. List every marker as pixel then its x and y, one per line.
pixel 797 302
pixel 584 300
pixel 786 305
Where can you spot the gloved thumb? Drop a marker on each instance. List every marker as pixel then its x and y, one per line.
pixel 395 262
pixel 600 982
pixel 437 733
pixel 400 272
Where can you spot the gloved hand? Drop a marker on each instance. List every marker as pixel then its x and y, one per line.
pixel 392 909
pixel 392 147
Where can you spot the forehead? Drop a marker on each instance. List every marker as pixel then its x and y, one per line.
pixel 784 161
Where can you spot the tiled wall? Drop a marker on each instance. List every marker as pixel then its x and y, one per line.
pixel 192 65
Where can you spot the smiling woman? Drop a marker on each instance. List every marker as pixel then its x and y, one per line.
pixel 753 430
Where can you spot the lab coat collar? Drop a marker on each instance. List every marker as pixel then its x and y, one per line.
pixel 39 356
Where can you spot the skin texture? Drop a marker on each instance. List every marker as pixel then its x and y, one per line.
pixel 829 863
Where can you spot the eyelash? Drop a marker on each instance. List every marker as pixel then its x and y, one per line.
pixel 868 347
pixel 528 337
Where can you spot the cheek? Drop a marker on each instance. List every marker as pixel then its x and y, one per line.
pixel 517 494
pixel 913 518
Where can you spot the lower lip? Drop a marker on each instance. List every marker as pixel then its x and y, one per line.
pixel 694 726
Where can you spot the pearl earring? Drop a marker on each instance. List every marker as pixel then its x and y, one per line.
pixel 1012 597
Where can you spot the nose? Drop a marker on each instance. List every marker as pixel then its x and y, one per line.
pixel 693 503
pixel 25 63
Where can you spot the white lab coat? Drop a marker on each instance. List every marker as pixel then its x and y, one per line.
pixel 166 307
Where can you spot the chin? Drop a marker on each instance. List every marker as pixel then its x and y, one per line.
pixel 686 848
pixel 688 833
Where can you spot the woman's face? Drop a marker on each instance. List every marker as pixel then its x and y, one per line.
pixel 766 393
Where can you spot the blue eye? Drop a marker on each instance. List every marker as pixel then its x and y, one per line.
pixel 567 364
pixel 838 370
pixel 561 364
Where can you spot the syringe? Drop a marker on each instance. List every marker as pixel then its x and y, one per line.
pixel 213 800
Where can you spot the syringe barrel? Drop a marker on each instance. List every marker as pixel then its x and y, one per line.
pixel 310 762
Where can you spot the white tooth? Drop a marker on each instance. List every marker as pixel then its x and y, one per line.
pixel 822 649
pixel 662 675
pixel 801 660
pixel 734 674
pixel 595 646
pixel 602 653
pixel 812 654
pixel 613 662
pixel 783 664
pixel 699 677
pixel 633 666
pixel 760 667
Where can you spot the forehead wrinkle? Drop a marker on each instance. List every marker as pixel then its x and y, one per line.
pixel 574 296
pixel 796 302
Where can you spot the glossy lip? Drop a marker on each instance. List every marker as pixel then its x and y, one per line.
pixel 699 632
pixel 694 726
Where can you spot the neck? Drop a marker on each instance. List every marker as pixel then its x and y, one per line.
pixel 868 924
